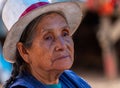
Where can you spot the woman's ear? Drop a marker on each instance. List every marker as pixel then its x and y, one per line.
pixel 23 52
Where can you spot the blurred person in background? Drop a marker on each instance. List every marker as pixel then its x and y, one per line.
pixel 40 45
pixel 107 33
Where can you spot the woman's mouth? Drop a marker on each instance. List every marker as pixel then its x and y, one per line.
pixel 62 57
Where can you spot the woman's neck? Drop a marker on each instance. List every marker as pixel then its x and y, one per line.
pixel 47 77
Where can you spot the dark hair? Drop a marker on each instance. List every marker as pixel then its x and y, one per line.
pixel 27 38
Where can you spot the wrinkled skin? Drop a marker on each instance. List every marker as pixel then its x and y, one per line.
pixel 52 49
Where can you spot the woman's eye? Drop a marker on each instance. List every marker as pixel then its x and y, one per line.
pixel 48 37
pixel 65 33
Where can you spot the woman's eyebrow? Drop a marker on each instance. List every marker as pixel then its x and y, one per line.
pixel 44 30
pixel 50 29
pixel 67 26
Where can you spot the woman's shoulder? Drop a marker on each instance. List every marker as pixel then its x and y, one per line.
pixel 20 83
pixel 71 74
pixel 26 80
pixel 19 86
pixel 75 79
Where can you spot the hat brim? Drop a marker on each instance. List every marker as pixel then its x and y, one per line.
pixel 71 11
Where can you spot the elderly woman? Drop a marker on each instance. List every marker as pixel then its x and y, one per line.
pixel 39 44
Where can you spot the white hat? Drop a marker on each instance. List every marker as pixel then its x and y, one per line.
pixel 17 14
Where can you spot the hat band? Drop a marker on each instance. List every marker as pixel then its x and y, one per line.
pixel 33 6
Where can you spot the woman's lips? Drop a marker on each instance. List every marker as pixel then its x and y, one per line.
pixel 62 57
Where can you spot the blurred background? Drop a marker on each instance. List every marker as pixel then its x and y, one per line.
pixel 97 44
pixel 5 67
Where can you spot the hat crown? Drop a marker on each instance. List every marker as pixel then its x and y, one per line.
pixel 13 10
pixel 32 7
pixel 11 17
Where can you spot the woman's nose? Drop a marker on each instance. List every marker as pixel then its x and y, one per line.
pixel 60 44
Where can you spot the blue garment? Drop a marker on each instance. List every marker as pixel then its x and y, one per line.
pixel 54 85
pixel 68 79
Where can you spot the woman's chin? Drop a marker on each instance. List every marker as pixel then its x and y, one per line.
pixel 63 66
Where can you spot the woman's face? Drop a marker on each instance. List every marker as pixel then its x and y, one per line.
pixel 52 47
